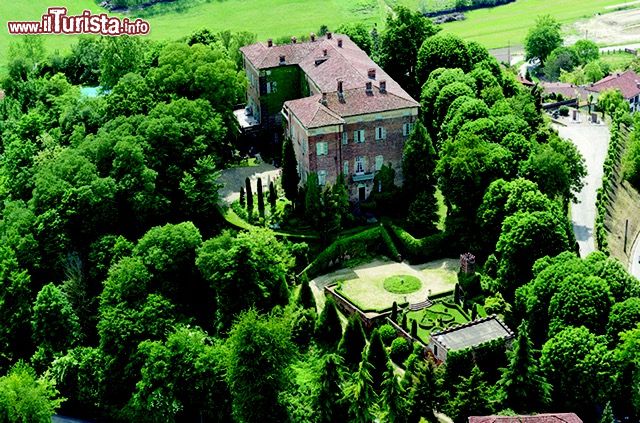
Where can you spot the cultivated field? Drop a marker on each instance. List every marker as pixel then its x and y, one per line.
pixel 499 26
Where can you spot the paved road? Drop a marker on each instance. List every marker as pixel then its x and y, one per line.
pixel 592 141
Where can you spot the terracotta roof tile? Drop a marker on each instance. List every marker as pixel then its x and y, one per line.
pixel 539 418
pixel 627 82
pixel 348 64
pixel 568 91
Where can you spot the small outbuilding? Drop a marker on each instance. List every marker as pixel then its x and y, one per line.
pixel 538 418
pixel 468 335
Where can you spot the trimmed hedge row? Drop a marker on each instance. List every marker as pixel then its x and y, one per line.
pixel 611 163
pixel 414 249
pixel 370 241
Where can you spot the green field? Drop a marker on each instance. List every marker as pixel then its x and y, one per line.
pixel 266 18
pixel 508 24
pixel 494 27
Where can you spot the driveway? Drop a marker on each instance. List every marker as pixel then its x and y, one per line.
pixel 234 178
pixel 592 140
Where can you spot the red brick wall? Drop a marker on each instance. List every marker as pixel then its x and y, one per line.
pixel 390 148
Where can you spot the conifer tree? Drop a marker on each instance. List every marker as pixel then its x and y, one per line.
pixel 260 198
pixel 414 328
pixel 329 330
pixel 328 403
pixel 305 297
pixel 394 312
pixel 422 396
pixel 378 358
pixel 607 414
pixel 290 177
pixel 471 397
pixel 418 161
pixel 273 197
pixel 360 395
pixel 313 199
pixel 247 184
pixel 393 405
pixel 352 343
pixel 404 321
pixel 522 385
pixel 242 198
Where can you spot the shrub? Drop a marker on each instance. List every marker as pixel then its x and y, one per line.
pixel 387 333
pixel 303 326
pixel 400 350
pixel 564 111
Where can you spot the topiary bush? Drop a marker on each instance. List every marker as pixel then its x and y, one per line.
pixel 563 110
pixel 400 350
pixel 387 334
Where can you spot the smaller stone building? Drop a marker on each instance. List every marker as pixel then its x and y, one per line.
pixel 628 83
pixel 537 418
pixel 468 335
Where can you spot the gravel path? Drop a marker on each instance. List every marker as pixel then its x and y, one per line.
pixel 232 179
pixel 592 140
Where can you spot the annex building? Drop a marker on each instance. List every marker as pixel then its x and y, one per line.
pixel 342 112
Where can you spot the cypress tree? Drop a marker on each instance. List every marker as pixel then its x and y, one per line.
pixel 313 199
pixel 273 197
pixel 329 330
pixel 522 385
pixel 424 392
pixel 305 295
pixel 260 198
pixel 607 414
pixel 377 357
pixel 394 312
pixel 352 343
pixel 414 328
pixel 395 407
pixel 360 395
pixel 247 184
pixel 404 321
pixel 418 161
pixel 290 177
pixel 328 403
pixel 242 199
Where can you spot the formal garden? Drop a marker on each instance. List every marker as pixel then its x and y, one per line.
pixel 376 288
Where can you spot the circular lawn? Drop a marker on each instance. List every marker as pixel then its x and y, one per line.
pixel 402 284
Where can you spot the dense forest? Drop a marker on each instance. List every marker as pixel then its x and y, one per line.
pixel 125 296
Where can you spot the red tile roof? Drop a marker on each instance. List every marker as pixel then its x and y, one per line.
pixel 539 418
pixel 627 82
pixel 348 64
pixel 356 101
pixel 568 91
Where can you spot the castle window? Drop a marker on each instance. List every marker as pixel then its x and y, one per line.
pixel 358 136
pixel 406 129
pixel 381 133
pixel 379 162
pixel 322 148
pixel 322 177
pixel 345 168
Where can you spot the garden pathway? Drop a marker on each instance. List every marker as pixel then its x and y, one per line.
pixel 592 140
pixel 232 179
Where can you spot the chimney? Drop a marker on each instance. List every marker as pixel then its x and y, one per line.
pixel 329 35
pixel 312 37
pixel 340 42
pixel 340 90
pixel 383 86
pixel 324 99
pixel 369 87
pixel 293 40
pixel 270 42
pixel 282 59
pixel 325 52
pixel 372 73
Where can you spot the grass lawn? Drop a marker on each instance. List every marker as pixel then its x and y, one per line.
pixel 437 317
pixel 266 18
pixel 508 24
pixel 368 292
pixel 617 61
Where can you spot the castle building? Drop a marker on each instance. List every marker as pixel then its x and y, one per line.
pixel 343 113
